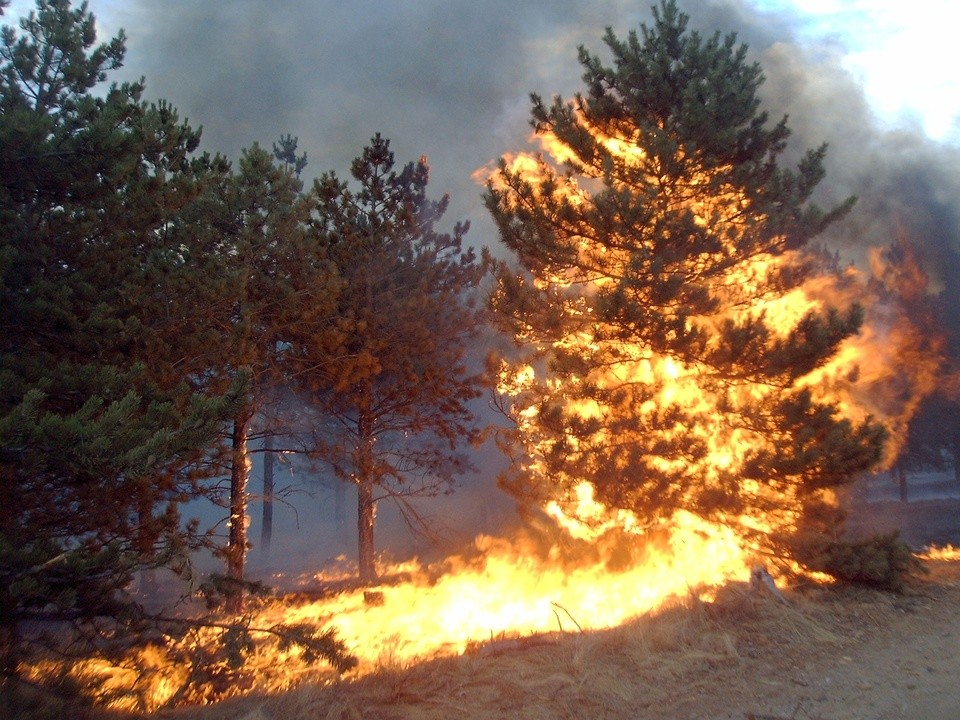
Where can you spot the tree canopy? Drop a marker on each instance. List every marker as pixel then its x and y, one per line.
pixel 99 431
pixel 261 282
pixel 147 294
pixel 95 426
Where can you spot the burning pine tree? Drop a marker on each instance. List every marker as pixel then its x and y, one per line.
pixel 683 361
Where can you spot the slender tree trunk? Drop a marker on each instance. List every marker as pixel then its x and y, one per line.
pixel 148 574
pixel 266 527
pixel 902 482
pixel 366 510
pixel 956 460
pixel 237 541
pixel 366 516
pixel 10 648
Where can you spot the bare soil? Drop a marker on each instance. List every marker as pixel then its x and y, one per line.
pixel 826 654
pixel 886 657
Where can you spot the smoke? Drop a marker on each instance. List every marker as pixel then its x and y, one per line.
pixel 450 79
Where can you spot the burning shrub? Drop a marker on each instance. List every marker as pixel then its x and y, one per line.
pixel 157 662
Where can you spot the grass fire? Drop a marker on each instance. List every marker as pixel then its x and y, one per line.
pixel 687 381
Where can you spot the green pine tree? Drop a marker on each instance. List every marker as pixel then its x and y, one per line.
pixel 100 435
pixel 654 256
pixel 265 283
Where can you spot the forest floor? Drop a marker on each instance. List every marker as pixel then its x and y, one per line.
pixel 826 654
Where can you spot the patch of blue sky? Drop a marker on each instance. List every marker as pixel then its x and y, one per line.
pixel 904 54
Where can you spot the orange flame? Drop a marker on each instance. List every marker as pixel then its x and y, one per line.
pixel 511 592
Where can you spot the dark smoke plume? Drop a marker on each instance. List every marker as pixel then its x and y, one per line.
pixel 450 79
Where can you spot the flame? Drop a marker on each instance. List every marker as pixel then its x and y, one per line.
pixel 502 589
pixel 944 552
pixel 509 592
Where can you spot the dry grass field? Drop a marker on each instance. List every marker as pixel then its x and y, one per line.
pixel 847 654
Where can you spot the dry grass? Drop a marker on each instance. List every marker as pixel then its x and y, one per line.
pixel 645 668
pixel 742 655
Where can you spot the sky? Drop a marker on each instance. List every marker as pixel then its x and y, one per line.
pixel 450 79
pixel 902 56
pixel 889 46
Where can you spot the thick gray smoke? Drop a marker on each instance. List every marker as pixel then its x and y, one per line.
pixel 451 78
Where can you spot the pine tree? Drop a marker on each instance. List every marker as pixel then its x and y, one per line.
pixel 395 381
pixel 100 436
pixel 660 370
pixel 267 283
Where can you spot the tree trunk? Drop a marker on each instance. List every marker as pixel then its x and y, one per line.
pixel 366 516
pixel 148 574
pixel 266 527
pixel 366 510
pixel 956 460
pixel 901 481
pixel 237 542
pixel 340 510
